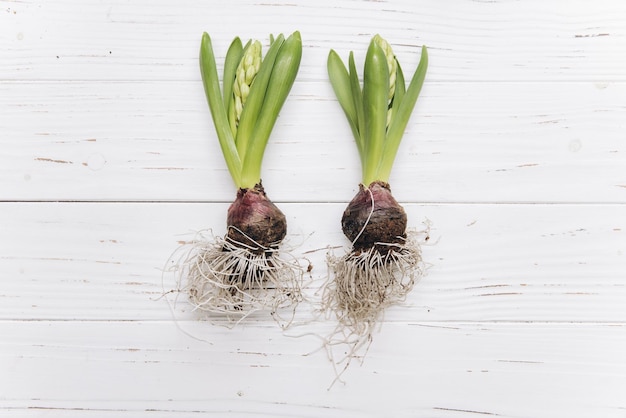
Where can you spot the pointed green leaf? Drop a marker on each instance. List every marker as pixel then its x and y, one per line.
pixel 283 74
pixel 401 118
pixel 375 98
pixel 340 81
pixel 400 89
pixel 357 99
pixel 233 56
pixel 256 97
pixel 210 80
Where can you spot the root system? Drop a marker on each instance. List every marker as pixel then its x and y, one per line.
pixel 382 268
pixel 221 277
pixel 361 286
pixel 367 282
pixel 245 271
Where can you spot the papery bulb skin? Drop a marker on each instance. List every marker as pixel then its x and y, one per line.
pixel 254 221
pixel 365 224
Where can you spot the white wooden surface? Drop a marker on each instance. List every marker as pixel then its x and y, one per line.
pixel 516 154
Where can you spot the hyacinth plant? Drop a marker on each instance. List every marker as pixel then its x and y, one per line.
pixel 244 272
pixel 385 261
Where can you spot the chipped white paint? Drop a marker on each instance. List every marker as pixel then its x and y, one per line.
pixel 516 154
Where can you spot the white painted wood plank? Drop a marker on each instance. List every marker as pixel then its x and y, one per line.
pixel 438 370
pixel 522 313
pixel 491 262
pixel 141 40
pixel 467 142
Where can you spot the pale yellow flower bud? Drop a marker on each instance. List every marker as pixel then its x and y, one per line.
pixel 244 76
pixel 392 65
pixel 245 90
pixel 250 73
pixel 248 60
pixel 238 106
pixel 236 90
pixel 257 62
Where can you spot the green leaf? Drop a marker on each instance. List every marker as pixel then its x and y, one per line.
pixel 340 81
pixel 401 118
pixel 375 98
pixel 210 80
pixel 258 90
pixel 233 56
pixel 398 94
pixel 283 74
pixel 357 98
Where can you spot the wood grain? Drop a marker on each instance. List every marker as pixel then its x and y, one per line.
pixel 438 370
pixel 490 262
pixel 510 142
pixel 469 40
pixel 515 156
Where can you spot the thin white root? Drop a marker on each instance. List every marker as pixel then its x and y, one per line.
pixel 364 284
pixel 220 277
pixel 360 287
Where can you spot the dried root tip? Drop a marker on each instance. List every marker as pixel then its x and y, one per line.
pixel 225 278
pixel 254 222
pixel 361 286
pixel 374 216
pixel 243 272
pixel 366 282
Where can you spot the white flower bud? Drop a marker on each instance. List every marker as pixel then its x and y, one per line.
pixel 244 76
